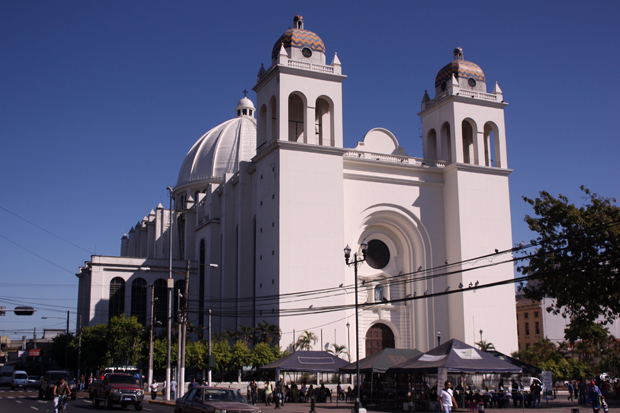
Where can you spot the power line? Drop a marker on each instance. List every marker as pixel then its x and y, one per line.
pixel 45 230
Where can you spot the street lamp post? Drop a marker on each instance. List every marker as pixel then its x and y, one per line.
pixel 481 336
pixel 356 261
pixel 151 336
pixel 349 340
pixel 438 338
pixel 170 298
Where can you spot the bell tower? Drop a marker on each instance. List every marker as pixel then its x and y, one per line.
pixel 464 123
pixel 299 97
pixel 463 126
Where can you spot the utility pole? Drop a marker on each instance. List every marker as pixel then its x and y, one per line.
pixel 209 371
pixel 184 313
pixel 34 340
pixel 151 337
pixel 79 345
pixel 67 342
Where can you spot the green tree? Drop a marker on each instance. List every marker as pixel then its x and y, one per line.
pixel 125 342
pixel 95 354
pixel 484 346
pixel 268 332
pixel 244 333
pixel 194 354
pixel 337 350
pixel 240 356
pixel 306 340
pixel 577 260
pixel 263 354
pixel 59 347
pixel 223 355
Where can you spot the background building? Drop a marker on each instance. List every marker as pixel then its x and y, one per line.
pixel 272 198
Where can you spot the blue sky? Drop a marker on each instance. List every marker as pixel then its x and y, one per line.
pixel 101 100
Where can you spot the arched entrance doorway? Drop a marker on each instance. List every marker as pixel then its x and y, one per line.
pixel 378 337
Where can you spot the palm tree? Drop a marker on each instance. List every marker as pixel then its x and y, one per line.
pixel 484 346
pixel 268 332
pixel 306 340
pixel 244 333
pixel 338 350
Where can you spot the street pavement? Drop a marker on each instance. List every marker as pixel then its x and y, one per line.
pixel 558 405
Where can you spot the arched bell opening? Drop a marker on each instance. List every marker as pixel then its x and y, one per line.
pixel 296 117
pixel 491 145
pixel 446 143
pixel 324 121
pixel 468 130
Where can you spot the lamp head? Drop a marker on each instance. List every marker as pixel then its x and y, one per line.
pixel 347 253
pixel 364 248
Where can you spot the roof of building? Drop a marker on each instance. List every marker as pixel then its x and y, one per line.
pixel 298 37
pixel 460 68
pixel 219 151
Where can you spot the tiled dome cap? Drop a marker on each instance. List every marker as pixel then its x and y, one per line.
pixel 298 37
pixel 460 68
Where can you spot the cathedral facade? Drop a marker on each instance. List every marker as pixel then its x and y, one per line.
pixel 266 202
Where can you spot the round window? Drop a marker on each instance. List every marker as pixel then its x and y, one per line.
pixel 471 82
pixel 378 254
pixel 306 52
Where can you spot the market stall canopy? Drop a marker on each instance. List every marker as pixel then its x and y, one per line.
pixel 528 369
pixel 381 361
pixel 311 361
pixel 456 357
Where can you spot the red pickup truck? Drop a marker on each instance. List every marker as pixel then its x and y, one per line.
pixel 117 388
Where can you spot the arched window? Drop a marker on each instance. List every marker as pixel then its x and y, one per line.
pixel 274 117
pixel 468 143
pixel 446 143
pixel 323 122
pixel 378 337
pixel 160 307
pixel 179 298
pixel 201 283
pixel 296 114
pixel 491 145
pixel 116 305
pixel 181 232
pixel 262 126
pixel 431 145
pixel 138 300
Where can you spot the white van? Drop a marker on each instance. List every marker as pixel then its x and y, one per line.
pixel 19 380
pixel 6 372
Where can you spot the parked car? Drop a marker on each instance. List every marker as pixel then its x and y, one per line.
pixel 213 399
pixel 33 382
pixel 19 380
pixel 49 379
pixel 117 388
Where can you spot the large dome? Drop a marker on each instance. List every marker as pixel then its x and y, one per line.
pixel 299 38
pixel 461 69
pixel 219 151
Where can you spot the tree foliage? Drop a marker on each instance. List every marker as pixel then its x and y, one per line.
pixel 306 340
pixel 124 340
pixel 484 346
pixel 577 257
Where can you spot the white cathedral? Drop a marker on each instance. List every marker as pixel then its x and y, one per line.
pixel 265 204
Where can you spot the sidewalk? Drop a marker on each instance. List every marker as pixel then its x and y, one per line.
pixel 558 405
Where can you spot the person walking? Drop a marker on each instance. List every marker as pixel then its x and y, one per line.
pixel 154 387
pixel 582 392
pixel 446 398
pixel 571 389
pixel 268 393
pixel 173 389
